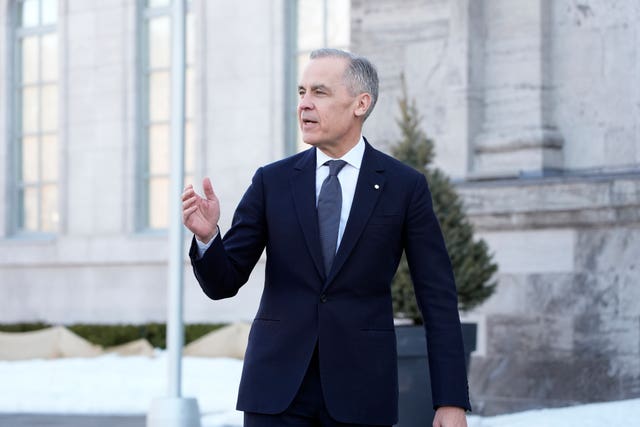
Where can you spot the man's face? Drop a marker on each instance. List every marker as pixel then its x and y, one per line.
pixel 326 107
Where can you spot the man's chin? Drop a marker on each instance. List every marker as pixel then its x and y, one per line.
pixel 310 141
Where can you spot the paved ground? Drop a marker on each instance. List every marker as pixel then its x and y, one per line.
pixel 42 420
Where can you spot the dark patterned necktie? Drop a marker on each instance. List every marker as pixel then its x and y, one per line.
pixel 329 207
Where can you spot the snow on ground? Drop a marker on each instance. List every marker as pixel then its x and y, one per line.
pixel 623 413
pixel 118 385
pixel 126 385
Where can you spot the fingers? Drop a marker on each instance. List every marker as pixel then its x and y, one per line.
pixel 188 192
pixel 186 213
pixel 189 202
pixel 208 189
pixel 189 197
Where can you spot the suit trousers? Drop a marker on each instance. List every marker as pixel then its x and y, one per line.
pixel 308 408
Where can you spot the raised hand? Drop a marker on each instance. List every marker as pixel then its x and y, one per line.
pixel 201 214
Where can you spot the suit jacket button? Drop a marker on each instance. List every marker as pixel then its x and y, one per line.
pixel 323 298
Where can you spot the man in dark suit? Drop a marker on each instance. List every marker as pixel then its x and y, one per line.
pixel 334 220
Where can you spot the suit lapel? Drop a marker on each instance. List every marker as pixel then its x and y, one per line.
pixel 303 186
pixel 368 189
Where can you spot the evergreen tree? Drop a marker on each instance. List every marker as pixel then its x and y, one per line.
pixel 473 266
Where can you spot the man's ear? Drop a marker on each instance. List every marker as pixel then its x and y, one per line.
pixel 364 102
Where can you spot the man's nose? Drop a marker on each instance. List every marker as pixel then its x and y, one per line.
pixel 304 103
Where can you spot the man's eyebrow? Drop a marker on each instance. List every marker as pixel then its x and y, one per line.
pixel 319 86
pixel 314 87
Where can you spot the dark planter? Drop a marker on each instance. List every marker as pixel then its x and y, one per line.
pixel 414 402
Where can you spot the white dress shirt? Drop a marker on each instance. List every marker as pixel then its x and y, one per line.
pixel 348 177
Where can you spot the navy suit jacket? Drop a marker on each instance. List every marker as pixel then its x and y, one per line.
pixel 347 313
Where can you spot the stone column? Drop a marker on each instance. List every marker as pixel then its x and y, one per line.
pixel 464 82
pixel 518 134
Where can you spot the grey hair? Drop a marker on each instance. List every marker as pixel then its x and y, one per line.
pixel 360 76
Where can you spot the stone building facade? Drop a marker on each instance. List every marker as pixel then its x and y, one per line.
pixel 535 110
pixel 534 106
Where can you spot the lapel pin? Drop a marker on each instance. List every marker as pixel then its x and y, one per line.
pixel 377 187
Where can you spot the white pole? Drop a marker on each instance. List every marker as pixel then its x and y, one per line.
pixel 176 231
pixel 174 411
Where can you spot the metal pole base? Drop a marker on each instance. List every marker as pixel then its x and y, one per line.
pixel 174 412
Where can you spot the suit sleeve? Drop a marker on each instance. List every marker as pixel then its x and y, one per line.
pixel 436 295
pixel 228 262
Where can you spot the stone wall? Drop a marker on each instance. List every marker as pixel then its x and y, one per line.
pixel 535 110
pixel 509 87
pixel 595 57
pixel 564 324
pixel 413 38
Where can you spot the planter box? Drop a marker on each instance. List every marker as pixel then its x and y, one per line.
pixel 415 405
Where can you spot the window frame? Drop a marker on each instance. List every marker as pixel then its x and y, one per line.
pixel 15 220
pixel 143 175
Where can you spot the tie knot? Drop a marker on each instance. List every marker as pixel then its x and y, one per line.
pixel 335 166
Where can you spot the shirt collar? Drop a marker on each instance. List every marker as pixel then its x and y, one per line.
pixel 352 157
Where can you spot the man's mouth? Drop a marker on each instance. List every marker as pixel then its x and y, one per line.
pixel 307 121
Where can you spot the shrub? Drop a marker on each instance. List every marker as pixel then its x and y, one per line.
pixel 472 263
pixel 112 335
